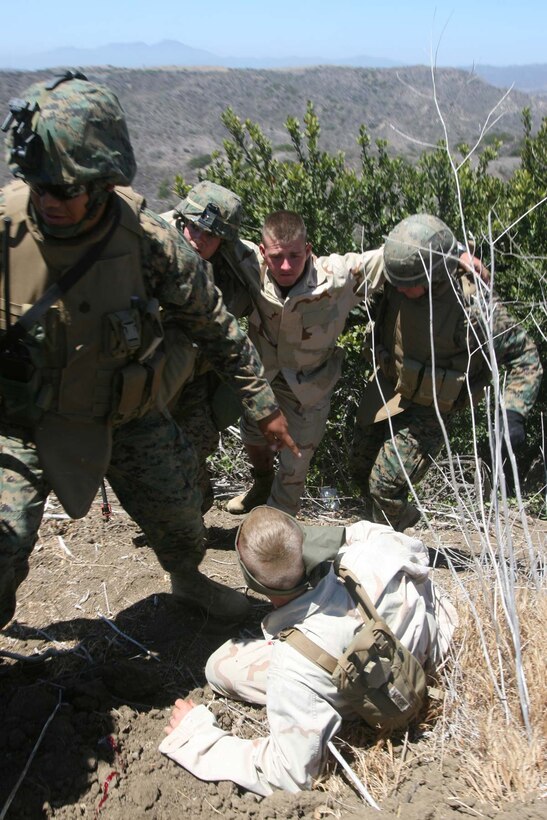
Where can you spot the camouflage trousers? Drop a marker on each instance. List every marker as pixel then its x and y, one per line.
pixel 381 461
pixel 194 415
pixel 205 407
pixel 307 427
pixel 239 669
pixel 153 471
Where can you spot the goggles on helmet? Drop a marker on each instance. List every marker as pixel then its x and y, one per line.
pixel 62 192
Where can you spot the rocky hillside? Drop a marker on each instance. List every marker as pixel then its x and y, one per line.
pixel 174 113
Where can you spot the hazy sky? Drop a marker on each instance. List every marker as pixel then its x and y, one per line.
pixel 462 32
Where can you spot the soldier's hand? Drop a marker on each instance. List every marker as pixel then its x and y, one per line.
pixel 180 710
pixel 275 430
pixel 473 264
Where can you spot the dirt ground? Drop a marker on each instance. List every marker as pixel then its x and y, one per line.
pixel 97 654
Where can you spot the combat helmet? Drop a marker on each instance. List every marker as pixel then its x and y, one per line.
pixel 212 208
pixel 69 131
pixel 420 250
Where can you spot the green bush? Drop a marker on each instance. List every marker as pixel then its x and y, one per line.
pixel 347 210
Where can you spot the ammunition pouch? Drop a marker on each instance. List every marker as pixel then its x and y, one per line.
pixel 136 388
pixel 135 333
pixel 421 383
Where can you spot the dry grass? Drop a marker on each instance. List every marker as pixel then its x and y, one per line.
pixel 500 759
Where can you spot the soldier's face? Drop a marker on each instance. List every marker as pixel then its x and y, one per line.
pixel 203 242
pixel 285 260
pixel 59 213
pixel 415 292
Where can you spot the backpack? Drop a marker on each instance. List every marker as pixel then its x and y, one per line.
pixel 379 678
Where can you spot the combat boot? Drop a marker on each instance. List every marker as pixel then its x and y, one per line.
pixel 258 494
pixel 411 515
pixel 194 589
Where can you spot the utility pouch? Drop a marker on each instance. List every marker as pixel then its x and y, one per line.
pixel 409 377
pixel 429 386
pixel 23 398
pixel 136 388
pixel 377 675
pixel 380 679
pixel 129 389
pixel 451 388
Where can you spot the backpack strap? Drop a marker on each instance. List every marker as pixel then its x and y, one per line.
pixel 357 591
pixel 308 648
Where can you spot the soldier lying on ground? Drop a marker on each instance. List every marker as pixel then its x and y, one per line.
pixel 81 347
pixel 304 706
pixel 428 296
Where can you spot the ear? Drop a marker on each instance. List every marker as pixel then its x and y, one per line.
pixel 308 250
pixel 262 249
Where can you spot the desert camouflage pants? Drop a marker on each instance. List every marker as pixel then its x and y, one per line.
pixel 239 669
pixel 153 472
pixel 379 460
pixel 307 427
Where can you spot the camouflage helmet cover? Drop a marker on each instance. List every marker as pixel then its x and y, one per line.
pixel 212 208
pixel 72 131
pixel 419 250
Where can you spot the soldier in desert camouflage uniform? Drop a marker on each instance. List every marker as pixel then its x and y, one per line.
pixel 421 261
pixel 300 309
pixel 80 376
pixel 304 706
pixel 209 217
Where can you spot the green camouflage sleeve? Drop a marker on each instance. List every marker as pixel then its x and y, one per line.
pixel 518 355
pixel 184 287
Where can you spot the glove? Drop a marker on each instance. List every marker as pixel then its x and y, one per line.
pixel 516 429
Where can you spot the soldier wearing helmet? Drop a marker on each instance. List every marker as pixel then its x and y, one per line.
pixel 209 217
pixel 428 296
pixel 89 278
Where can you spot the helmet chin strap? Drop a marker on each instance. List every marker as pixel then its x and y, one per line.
pixel 98 195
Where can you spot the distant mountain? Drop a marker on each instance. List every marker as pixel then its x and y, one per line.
pixel 167 53
pixel 530 78
pixel 171 53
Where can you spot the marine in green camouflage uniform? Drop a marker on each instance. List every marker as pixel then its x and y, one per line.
pixel 80 379
pixel 209 217
pixel 421 261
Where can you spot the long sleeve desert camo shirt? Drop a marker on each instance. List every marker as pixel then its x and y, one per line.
pixel 296 335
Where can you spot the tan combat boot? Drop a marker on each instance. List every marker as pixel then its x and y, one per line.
pixel 194 589
pixel 258 494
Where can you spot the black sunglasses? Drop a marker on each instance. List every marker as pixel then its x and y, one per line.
pixel 62 192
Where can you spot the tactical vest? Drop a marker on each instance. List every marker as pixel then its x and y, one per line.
pixel 403 333
pixel 95 353
pixel 102 325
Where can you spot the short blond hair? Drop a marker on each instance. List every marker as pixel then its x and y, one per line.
pixel 270 546
pixel 284 226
